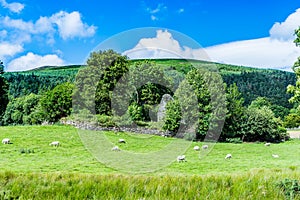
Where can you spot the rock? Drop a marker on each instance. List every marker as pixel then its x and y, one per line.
pixel 162 106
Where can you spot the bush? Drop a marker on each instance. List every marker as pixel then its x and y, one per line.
pixel 106 121
pixel 291 188
pixel 234 140
pixel 292 121
pixel 260 124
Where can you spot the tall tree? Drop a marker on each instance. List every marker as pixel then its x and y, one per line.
pixel 235 113
pixel 3 93
pixel 57 103
pixel 295 89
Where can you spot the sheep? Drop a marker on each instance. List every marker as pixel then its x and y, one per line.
pixel 55 143
pixel 116 148
pixel 275 156
pixel 122 141
pixel 196 148
pixel 267 144
pixel 228 156
pixel 181 158
pixel 205 147
pixel 6 141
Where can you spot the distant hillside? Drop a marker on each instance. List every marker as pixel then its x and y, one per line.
pixel 252 82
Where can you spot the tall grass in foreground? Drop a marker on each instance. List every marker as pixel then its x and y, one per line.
pixel 261 184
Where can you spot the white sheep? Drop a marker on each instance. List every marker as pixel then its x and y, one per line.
pixel 275 156
pixel 6 141
pixel 196 148
pixel 122 141
pixel 181 158
pixel 55 143
pixel 116 148
pixel 205 147
pixel 267 144
pixel 228 156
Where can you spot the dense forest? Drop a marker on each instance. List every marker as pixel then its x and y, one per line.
pixel 45 94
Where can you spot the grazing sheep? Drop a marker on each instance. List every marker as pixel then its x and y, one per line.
pixel 196 148
pixel 116 148
pixel 205 146
pixel 6 141
pixel 275 156
pixel 267 144
pixel 228 156
pixel 122 141
pixel 55 143
pixel 181 158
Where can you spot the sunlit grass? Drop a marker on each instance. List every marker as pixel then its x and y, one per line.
pixel 72 155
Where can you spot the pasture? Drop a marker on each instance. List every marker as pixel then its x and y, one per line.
pixel 29 161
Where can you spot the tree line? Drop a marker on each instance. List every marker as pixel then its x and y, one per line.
pixel 255 104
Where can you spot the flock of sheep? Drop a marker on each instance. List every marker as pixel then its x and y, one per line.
pixel 180 158
pixel 54 143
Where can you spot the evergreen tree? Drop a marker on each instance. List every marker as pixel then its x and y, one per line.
pixel 3 93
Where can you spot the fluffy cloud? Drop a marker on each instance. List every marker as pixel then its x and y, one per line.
pixel 276 51
pixel 163 46
pixel 31 61
pixel 13 7
pixel 70 25
pixel 7 49
pixel 285 30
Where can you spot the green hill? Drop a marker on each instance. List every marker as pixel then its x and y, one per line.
pixel 252 82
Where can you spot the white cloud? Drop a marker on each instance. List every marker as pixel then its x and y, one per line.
pixel 163 46
pixel 262 53
pixel 7 49
pixel 70 25
pixel 31 61
pixel 13 7
pixel 158 12
pixel 17 24
pixel 285 30
pixel 276 51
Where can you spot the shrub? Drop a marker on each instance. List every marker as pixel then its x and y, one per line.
pixel 291 188
pixel 234 140
pixel 106 121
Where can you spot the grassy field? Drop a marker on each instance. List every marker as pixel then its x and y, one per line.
pixel 252 173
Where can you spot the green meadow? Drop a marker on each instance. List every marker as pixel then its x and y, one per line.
pixel 31 168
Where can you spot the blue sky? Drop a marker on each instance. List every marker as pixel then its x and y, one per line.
pixel 243 32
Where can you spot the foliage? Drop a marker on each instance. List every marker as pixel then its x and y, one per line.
pixel 3 97
pixel 199 104
pixel 3 93
pixel 294 89
pixel 173 116
pixel 235 113
pixel 20 110
pixel 263 83
pixel 291 188
pixel 57 103
pixel 112 67
pixel 25 83
pixel 292 120
pixel 105 121
pixel 260 124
